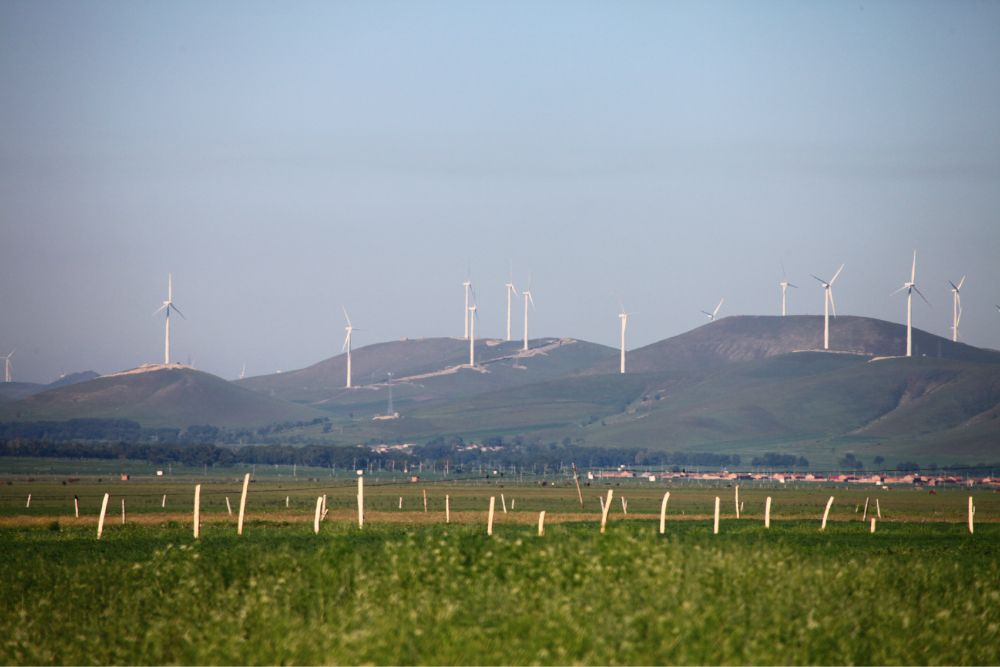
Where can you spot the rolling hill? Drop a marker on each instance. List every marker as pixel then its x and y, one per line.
pixel 157 396
pixel 738 385
pixel 430 369
pixel 18 390
pixel 746 338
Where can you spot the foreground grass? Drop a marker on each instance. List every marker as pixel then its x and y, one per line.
pixel 434 594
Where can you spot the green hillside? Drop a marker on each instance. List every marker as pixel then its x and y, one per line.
pixel 159 396
pixel 430 369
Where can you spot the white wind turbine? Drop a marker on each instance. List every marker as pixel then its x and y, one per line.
pixel 167 306
pixel 511 292
pixel 347 345
pixel 784 288
pixel 473 316
pixel 468 291
pixel 243 371
pixel 527 297
pixel 623 317
pixel 910 288
pixel 8 375
pixel 711 315
pixel 956 307
pixel 827 304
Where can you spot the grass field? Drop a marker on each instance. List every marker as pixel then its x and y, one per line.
pixel 409 589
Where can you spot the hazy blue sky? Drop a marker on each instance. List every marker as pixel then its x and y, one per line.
pixel 282 159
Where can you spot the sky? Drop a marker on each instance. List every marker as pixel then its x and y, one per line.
pixel 285 160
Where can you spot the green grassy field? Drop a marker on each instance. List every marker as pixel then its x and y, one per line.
pixel 436 594
pixel 409 589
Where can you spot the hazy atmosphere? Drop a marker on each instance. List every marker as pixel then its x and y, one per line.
pixel 284 160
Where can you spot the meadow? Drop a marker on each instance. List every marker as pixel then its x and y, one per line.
pixel 409 589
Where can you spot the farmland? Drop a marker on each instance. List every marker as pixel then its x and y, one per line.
pixel 407 588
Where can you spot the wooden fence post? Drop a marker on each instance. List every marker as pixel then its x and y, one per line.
pixel 104 511
pixel 319 510
pixel 541 523
pixel 663 512
pixel 606 507
pixel 489 519
pixel 361 501
pixel 243 504
pixel 826 513
pixel 197 510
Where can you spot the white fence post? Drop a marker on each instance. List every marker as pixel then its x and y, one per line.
pixel 104 511
pixel 489 519
pixel 605 508
pixel 319 510
pixel 197 510
pixel 541 523
pixel 663 512
pixel 826 513
pixel 767 512
pixel 243 504
pixel 361 501
pixel 715 526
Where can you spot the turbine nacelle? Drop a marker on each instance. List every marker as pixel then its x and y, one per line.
pixel 711 315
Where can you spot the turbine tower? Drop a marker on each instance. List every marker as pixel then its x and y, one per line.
pixel 711 315
pixel 473 316
pixel 827 304
pixel 167 306
pixel 910 288
pixel 243 371
pixel 511 291
pixel 8 375
pixel 527 297
pixel 623 316
pixel 784 288
pixel 347 345
pixel 956 307
pixel 468 290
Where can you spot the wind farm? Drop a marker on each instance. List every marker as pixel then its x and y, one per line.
pixel 730 475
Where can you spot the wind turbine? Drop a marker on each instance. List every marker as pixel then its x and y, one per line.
pixel 473 316
pixel 910 288
pixel 167 306
pixel 8 375
pixel 347 345
pixel 827 304
pixel 784 288
pixel 711 315
pixel 243 371
pixel 527 297
pixel 956 307
pixel 468 290
pixel 623 316
pixel 511 290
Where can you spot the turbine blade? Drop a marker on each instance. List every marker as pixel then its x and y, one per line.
pixel 177 310
pixel 823 282
pixel 961 282
pixel 954 286
pixel 791 285
pixel 157 311
pixel 897 291
pixel 833 305
pixel 832 280
pixel 346 316
pixel 915 289
pixel 716 311
pixel 784 276
pixel 913 271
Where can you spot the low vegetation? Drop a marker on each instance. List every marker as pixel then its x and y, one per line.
pixel 408 589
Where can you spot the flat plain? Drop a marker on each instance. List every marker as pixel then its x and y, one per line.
pixel 409 589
